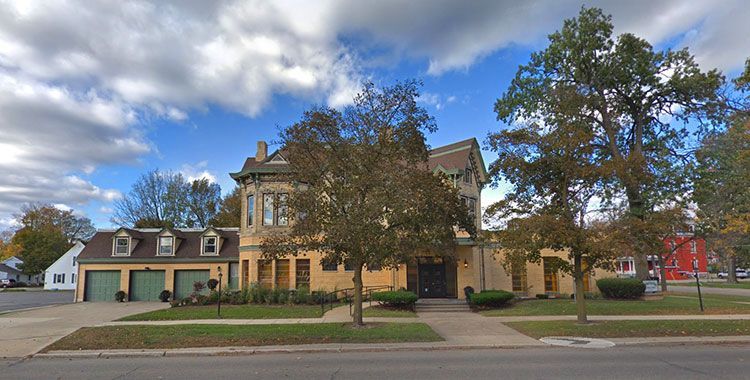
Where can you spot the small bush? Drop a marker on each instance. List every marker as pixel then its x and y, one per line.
pixel 542 296
pixel 120 296
pixel 621 288
pixel 198 286
pixel 491 298
pixel 21 284
pixel 165 295
pixel 237 297
pixel 396 299
pixel 212 284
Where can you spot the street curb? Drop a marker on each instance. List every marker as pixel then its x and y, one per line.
pixel 31 308
pixel 244 351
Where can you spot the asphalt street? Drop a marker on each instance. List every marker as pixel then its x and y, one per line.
pixel 631 362
pixel 33 298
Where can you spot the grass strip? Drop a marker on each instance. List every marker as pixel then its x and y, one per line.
pixel 229 312
pixel 384 312
pixel 183 336
pixel 627 329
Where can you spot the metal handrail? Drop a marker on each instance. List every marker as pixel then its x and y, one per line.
pixel 331 297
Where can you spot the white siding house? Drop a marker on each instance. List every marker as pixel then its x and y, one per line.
pixel 61 275
pixel 13 263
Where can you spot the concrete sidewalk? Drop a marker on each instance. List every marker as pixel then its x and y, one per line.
pixel 709 290
pixel 472 329
pixel 703 317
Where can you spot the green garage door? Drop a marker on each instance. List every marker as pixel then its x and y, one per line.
pixel 101 285
pixel 184 280
pixel 146 285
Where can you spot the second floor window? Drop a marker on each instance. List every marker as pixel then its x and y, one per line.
pixel 209 245
pixel 275 209
pixel 693 247
pixel 467 175
pixel 166 245
pixel 121 246
pixel 471 206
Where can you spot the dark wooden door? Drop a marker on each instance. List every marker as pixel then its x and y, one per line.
pixel 432 281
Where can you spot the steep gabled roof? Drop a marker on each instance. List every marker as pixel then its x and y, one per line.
pixel 452 158
pixel 270 164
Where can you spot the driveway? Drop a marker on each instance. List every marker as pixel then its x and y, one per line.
pixel 33 298
pixel 26 332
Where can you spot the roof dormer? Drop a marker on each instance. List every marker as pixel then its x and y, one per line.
pixel 168 241
pixel 211 241
pixel 124 241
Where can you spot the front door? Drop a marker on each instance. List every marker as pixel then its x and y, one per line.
pixel 432 281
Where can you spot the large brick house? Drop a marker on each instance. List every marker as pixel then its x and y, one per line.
pixel 264 194
pixel 680 251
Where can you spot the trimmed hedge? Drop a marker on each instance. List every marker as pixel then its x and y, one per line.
pixel 491 298
pixel 621 288
pixel 400 299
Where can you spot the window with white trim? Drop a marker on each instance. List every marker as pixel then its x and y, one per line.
pixel 210 245
pixel 166 245
pixel 693 247
pixel 122 246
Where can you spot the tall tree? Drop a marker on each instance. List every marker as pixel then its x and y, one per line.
pixel 230 210
pixel 555 173
pixel 203 200
pixel 73 227
pixel 632 100
pixel 722 192
pixel 364 193
pixel 156 198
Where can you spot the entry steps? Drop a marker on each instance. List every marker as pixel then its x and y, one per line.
pixel 442 305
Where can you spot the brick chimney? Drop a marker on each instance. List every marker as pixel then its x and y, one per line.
pixel 262 151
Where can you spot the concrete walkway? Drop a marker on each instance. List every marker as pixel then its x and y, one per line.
pixel 475 330
pixel 709 290
pixel 26 332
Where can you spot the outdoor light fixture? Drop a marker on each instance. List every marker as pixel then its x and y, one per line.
pixel 147 268
pixel 466 264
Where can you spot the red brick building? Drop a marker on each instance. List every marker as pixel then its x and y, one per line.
pixel 685 249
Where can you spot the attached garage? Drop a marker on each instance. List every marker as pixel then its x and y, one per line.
pixel 101 285
pixel 146 285
pixel 184 280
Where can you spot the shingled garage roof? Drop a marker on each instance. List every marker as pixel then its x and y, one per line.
pixel 100 246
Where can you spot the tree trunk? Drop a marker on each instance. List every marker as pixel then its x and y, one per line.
pixel 579 294
pixel 732 272
pixel 663 274
pixel 358 296
pixel 636 210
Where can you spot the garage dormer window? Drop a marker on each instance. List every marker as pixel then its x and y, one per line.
pixel 122 246
pixel 209 245
pixel 166 245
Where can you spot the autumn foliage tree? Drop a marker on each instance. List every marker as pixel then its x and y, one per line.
pixel 363 193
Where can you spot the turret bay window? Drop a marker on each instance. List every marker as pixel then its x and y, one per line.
pixel 166 245
pixel 275 209
pixel 122 246
pixel 210 245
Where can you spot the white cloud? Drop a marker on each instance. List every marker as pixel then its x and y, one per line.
pixel 197 171
pixel 436 100
pixel 78 79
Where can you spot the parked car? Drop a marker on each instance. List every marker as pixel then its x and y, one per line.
pixel 7 283
pixel 739 273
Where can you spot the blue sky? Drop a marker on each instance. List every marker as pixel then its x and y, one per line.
pixel 94 94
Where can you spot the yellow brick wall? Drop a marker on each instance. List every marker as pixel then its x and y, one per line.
pixel 325 280
pixel 167 268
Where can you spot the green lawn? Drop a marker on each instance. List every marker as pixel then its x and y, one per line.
pixel 379 311
pixel 627 329
pixel 229 312
pixel 670 305
pixel 181 336
pixel 743 284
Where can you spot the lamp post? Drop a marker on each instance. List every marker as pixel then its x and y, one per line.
pixel 698 282
pixel 218 304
